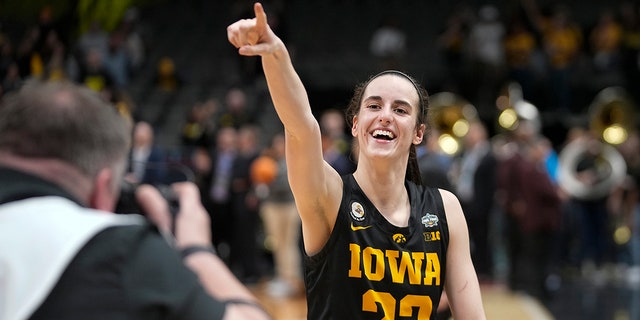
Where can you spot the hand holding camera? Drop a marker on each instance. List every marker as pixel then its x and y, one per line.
pixel 190 225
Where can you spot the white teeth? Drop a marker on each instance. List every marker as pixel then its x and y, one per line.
pixel 383 133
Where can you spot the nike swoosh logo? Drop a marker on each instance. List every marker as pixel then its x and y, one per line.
pixel 356 228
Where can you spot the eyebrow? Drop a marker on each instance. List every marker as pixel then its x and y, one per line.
pixel 379 98
pixel 406 76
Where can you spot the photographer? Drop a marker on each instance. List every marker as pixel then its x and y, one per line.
pixel 64 255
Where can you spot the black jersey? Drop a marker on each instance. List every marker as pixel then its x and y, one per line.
pixel 371 269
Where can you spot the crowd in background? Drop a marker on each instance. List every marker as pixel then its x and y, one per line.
pixel 559 62
pixel 526 229
pixel 103 60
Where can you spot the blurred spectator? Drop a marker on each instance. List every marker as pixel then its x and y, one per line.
pixel 624 204
pixel 167 77
pixel 336 145
pixel 95 38
pixel 486 51
pixel 332 122
pixel 51 45
pixel 51 32
pixel 45 26
pixel 244 251
pixel 475 186
pixel 199 128
pixel 452 42
pixel 520 45
pixel 12 79
pixel 388 44
pixel 570 233
pixel 588 199
pixel 218 200
pixel 7 56
pixel 632 208
pixel 282 227
pixel 236 110
pixel 147 161
pixel 93 72
pixel 29 60
pixel 125 105
pixel 434 165
pixel 630 46
pixel 134 44
pixel 116 61
pixel 56 66
pixel 540 246
pixel 335 157
pixel 562 41
pixel 200 164
pixel 533 211
pixel 604 43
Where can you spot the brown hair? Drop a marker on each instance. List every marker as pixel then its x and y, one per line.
pixel 413 171
pixel 64 121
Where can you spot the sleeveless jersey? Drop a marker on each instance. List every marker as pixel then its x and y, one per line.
pixel 371 269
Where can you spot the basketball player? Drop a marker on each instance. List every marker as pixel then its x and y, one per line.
pixel 377 243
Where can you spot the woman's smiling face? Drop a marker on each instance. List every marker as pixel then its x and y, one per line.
pixel 385 126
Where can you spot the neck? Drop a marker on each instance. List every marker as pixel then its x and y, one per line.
pixel 56 171
pixel 385 187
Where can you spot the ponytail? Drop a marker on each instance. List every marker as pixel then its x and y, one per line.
pixel 413 169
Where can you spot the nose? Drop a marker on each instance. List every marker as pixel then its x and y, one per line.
pixel 385 116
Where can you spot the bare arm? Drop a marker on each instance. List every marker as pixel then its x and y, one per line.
pixel 316 186
pixel 463 290
pixel 192 229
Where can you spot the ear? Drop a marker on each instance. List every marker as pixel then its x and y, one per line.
pixel 354 126
pixel 103 195
pixel 417 139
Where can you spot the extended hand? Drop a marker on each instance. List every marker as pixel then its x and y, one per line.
pixel 193 226
pixel 192 223
pixel 253 37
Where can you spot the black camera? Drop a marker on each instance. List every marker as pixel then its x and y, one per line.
pixel 160 175
pixel 127 202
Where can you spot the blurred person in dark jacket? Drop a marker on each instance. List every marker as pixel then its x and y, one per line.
pixel 533 208
pixel 475 185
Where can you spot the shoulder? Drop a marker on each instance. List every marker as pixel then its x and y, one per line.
pixel 137 248
pixel 130 269
pixel 449 199
pixel 452 207
pixel 139 258
pixel 425 194
pixel 125 248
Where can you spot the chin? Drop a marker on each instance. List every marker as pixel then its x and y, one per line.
pixel 381 154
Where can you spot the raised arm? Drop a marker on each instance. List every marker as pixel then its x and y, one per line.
pixel 463 290
pixel 316 186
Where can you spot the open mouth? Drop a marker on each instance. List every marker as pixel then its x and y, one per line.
pixel 383 135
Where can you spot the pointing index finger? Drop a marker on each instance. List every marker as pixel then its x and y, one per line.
pixel 261 16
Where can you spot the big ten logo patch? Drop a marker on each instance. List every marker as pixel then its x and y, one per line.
pixel 431 236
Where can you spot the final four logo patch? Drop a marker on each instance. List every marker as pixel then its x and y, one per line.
pixel 357 211
pixel 430 220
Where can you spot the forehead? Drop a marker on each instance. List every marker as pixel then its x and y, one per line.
pixel 391 86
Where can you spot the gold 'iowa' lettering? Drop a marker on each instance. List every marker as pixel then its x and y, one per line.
pixel 418 267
